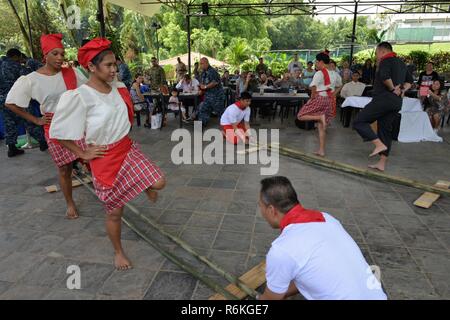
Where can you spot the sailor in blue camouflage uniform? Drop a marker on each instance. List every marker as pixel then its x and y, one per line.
pixel 10 71
pixel 214 93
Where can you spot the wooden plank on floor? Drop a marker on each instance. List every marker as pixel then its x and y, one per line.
pixel 427 199
pixel 75 183
pixel 254 278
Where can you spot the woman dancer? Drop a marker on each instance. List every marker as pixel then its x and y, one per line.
pixel 102 111
pixel 46 86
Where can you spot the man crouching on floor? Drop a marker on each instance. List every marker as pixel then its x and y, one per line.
pixel 235 121
pixel 313 255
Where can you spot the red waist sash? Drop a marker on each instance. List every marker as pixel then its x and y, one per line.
pixel 105 169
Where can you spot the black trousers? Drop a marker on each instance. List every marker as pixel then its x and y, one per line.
pixel 383 108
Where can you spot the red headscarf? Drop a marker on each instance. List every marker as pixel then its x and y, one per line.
pixel 87 52
pixel 50 42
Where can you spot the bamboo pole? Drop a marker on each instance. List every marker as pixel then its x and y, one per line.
pixel 182 264
pixel 374 175
pixel 228 276
pixel 231 278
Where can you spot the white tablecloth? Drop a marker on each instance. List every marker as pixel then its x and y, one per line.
pixel 415 125
pixel 409 104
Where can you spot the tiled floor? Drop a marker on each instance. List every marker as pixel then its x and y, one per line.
pixel 214 209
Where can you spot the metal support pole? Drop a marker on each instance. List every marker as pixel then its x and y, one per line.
pixel 29 29
pixel 188 24
pixel 101 18
pixel 355 16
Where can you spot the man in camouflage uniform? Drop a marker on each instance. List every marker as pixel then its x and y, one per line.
pixel 10 71
pixel 156 75
pixel 214 94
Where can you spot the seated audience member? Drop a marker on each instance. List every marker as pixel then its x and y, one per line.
pixel 314 255
pixel 175 104
pixel 285 82
pixel 226 78
pixel 139 101
pixel 247 82
pixel 308 74
pixel 332 69
pixel 367 72
pixel 296 80
pixel 345 73
pixel 354 87
pixel 426 79
pixel 235 120
pixel 264 81
pixel 236 75
pixel 436 104
pixel 188 85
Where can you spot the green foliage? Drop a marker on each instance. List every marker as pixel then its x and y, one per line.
pixel 441 61
pixel 249 65
pixel 207 42
pixel 170 72
pixel 295 32
pixel 237 52
pixel 420 58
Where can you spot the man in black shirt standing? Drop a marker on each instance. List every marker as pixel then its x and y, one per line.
pixel 392 79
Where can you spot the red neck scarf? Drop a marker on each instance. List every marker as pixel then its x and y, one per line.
pixel 125 94
pixel 298 214
pixel 239 105
pixel 388 55
pixel 326 76
pixel 327 82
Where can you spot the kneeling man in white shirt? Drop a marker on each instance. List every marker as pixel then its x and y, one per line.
pixel 313 255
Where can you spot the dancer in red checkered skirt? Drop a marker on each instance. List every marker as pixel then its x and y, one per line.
pixel 102 111
pixel 320 107
pixel 46 86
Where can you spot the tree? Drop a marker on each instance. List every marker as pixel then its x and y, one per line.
pixel 209 42
pixel 295 32
pixel 237 52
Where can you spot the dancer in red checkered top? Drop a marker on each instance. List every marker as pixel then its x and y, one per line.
pixel 46 85
pixel 102 111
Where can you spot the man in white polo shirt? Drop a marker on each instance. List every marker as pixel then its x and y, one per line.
pixel 235 121
pixel 314 255
pixel 354 87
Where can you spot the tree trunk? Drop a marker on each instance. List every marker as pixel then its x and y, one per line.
pixel 22 27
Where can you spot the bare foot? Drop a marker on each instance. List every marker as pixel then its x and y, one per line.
pixel 377 150
pixel 320 153
pixel 152 195
pixel 72 213
pixel 121 262
pixel 377 166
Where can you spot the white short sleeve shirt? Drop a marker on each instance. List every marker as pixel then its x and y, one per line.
pixel 44 89
pixel 234 114
pixel 323 261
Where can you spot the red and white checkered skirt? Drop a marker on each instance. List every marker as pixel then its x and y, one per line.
pixel 318 106
pixel 137 173
pixel 60 155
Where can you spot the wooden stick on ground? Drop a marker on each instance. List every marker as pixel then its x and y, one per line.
pixel 254 278
pixel 427 199
pixel 374 175
pixel 75 183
